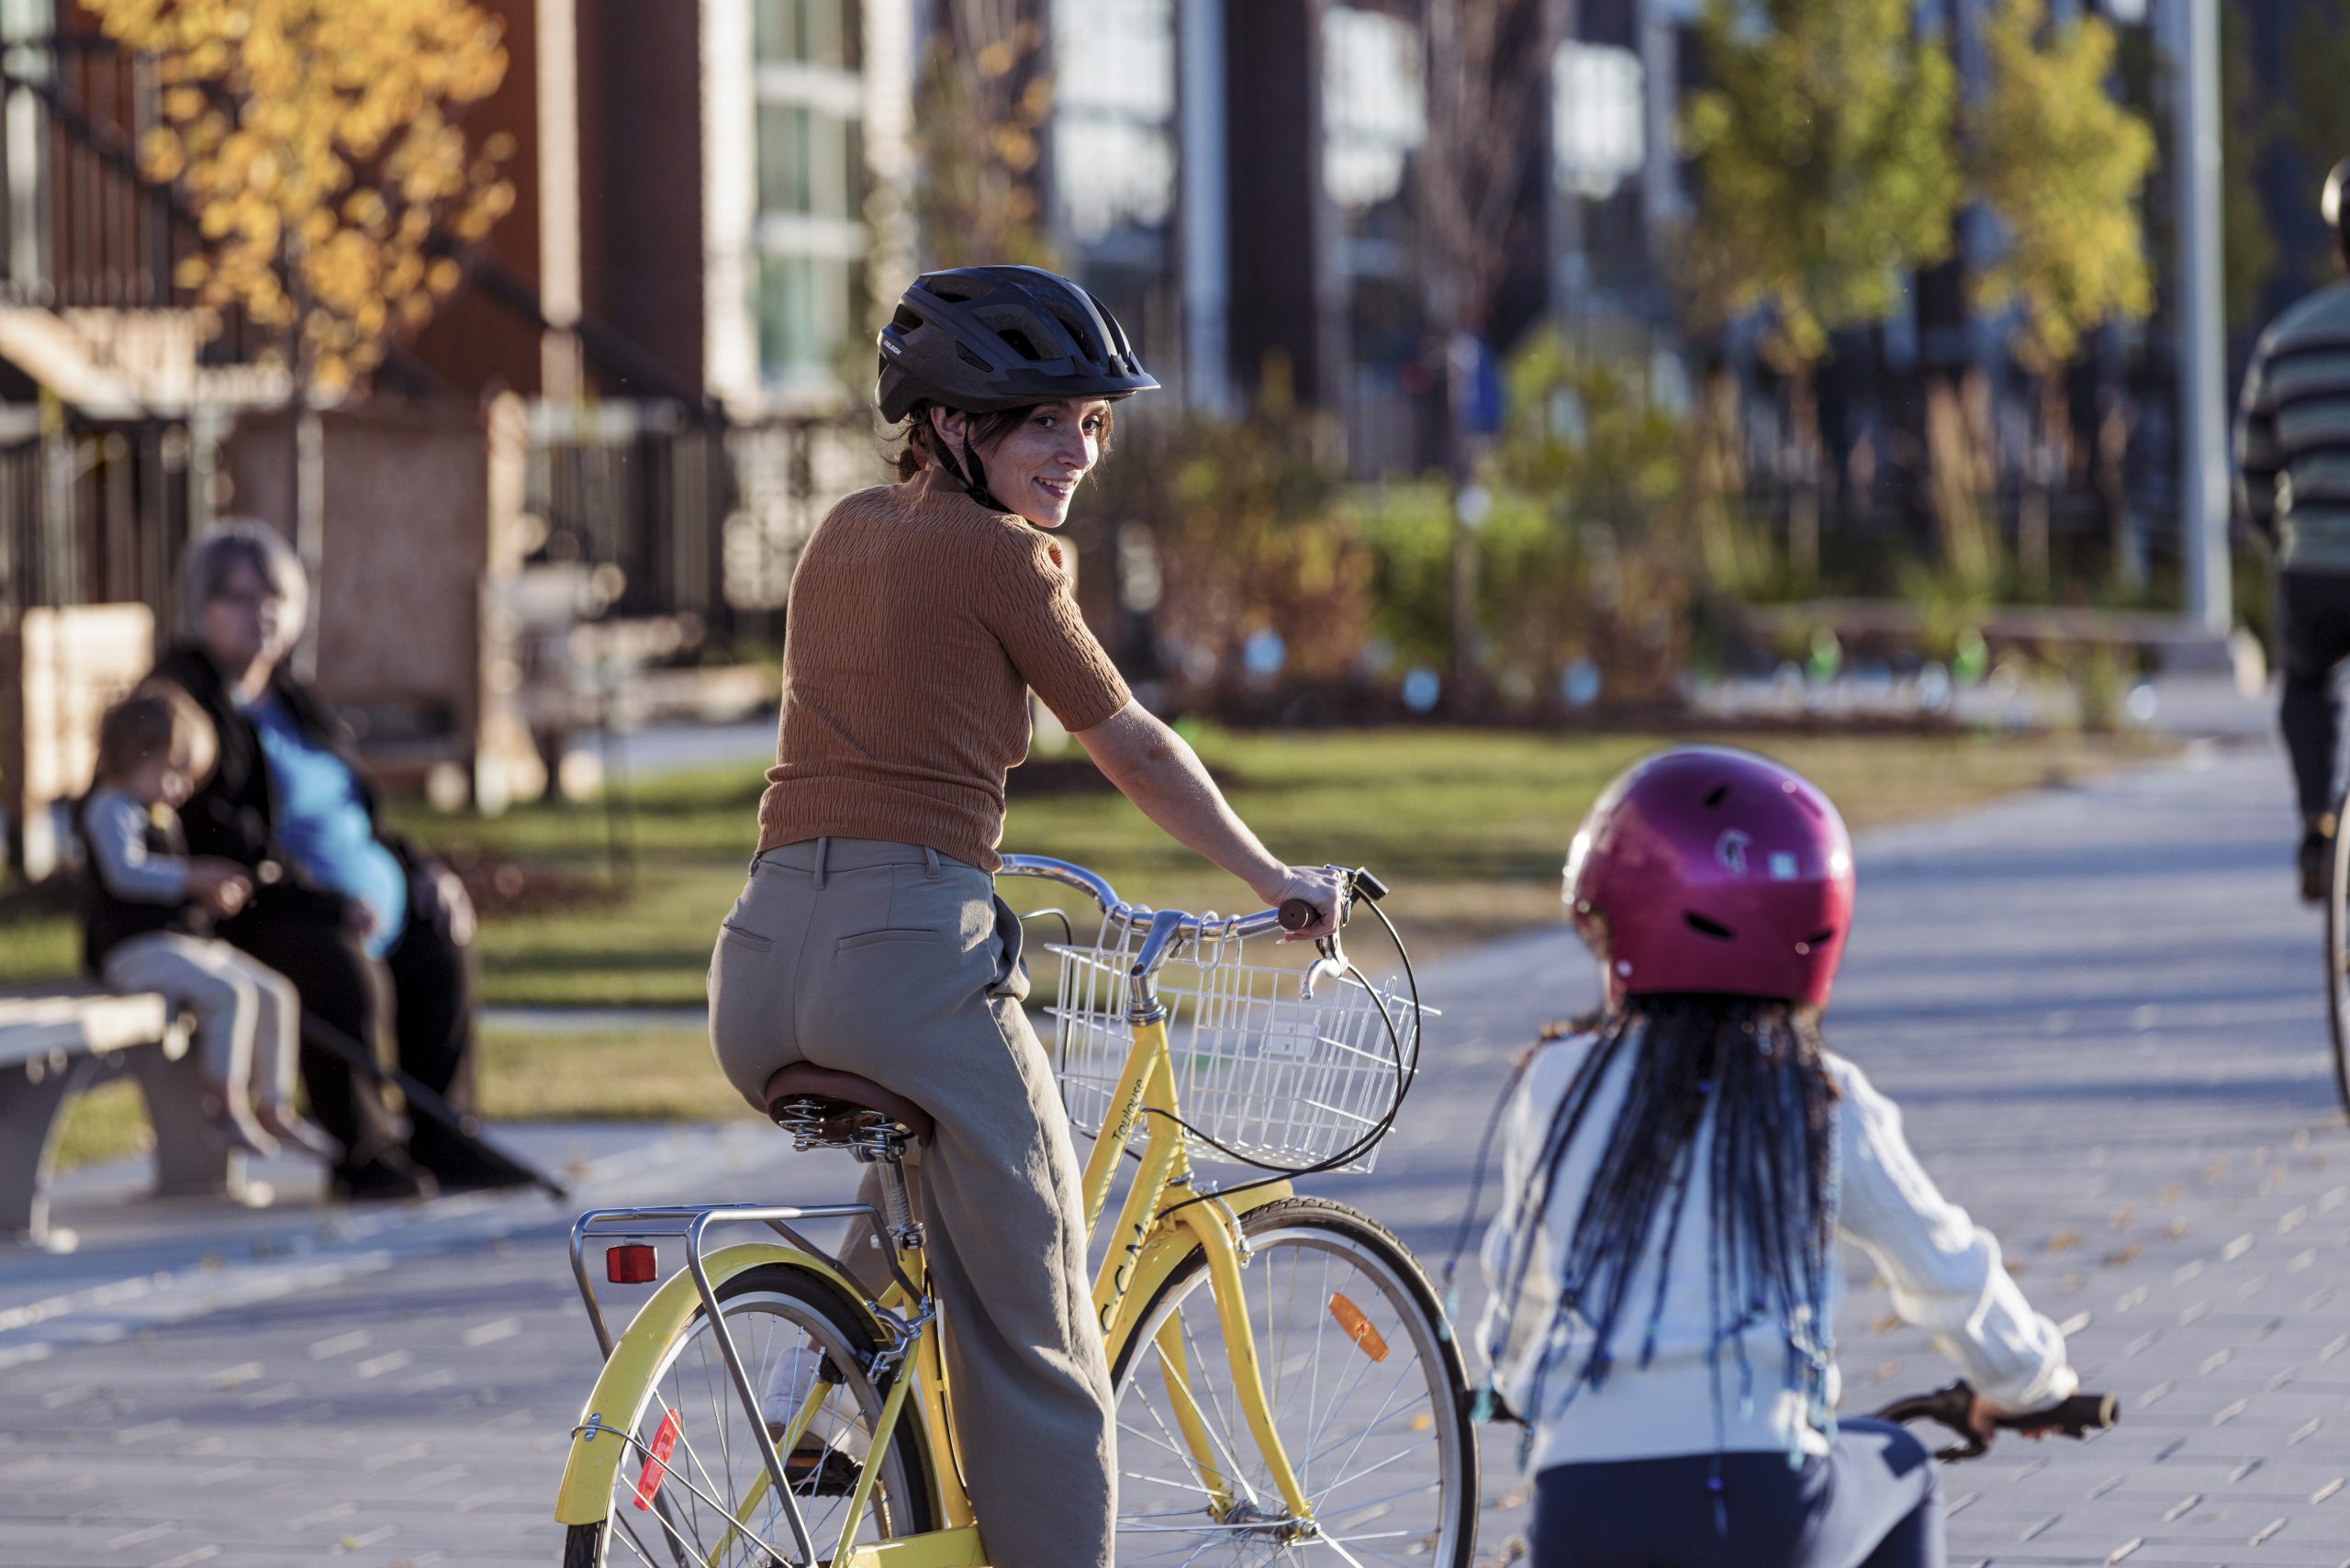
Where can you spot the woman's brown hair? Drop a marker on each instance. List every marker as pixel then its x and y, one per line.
pixel 920 446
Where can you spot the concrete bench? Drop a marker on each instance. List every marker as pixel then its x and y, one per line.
pixel 56 1042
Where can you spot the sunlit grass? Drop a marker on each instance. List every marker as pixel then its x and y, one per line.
pixel 1467 826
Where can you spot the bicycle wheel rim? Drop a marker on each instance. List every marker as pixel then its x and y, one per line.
pixel 715 1470
pixel 1381 1444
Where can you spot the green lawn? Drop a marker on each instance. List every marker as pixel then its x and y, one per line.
pixel 1469 828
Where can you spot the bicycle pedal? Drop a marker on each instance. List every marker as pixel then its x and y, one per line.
pixel 818 1472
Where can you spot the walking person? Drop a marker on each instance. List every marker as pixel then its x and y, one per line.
pixel 869 938
pixel 1677 1174
pixel 2293 458
pixel 147 910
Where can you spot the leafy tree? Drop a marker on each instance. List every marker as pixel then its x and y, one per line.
pixel 1826 170
pixel 983 101
pixel 2060 162
pixel 320 144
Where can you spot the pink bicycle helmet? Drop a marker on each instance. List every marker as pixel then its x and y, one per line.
pixel 1713 870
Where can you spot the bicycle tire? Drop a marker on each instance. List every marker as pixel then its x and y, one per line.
pixel 829 1317
pixel 1379 1259
pixel 2337 963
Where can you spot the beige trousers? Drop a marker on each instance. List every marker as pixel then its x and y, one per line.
pixel 900 963
pixel 247 1016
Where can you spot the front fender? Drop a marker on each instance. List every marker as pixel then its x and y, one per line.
pixel 1165 1251
pixel 621 1390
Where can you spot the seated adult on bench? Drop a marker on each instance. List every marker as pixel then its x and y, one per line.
pixel 335 890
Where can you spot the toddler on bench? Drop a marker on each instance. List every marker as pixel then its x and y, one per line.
pixel 148 914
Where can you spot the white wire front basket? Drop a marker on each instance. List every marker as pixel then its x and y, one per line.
pixel 1260 1069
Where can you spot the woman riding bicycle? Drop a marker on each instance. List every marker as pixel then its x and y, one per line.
pixel 1665 1283
pixel 869 939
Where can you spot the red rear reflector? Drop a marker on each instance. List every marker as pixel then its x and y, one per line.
pixel 656 1469
pixel 629 1263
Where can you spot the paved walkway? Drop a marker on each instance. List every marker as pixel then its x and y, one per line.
pixel 2097 1006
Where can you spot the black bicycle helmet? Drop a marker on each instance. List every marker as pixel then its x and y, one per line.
pixel 979 338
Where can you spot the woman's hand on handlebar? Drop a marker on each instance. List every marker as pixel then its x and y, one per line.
pixel 1323 887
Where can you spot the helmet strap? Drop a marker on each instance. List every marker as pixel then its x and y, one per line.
pixel 974 479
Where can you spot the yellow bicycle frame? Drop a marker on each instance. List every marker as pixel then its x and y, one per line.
pixel 1146 1247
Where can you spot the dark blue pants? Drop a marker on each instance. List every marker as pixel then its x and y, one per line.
pixel 2313 635
pixel 1873 1502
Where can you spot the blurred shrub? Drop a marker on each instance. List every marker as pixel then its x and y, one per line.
pixel 1604 540
pixel 1253 532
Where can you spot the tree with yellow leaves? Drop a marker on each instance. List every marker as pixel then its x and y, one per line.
pixel 2059 162
pixel 983 101
pixel 1824 173
pixel 318 144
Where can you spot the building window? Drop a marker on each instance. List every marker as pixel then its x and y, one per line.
pixel 1374 107
pixel 1374 119
pixel 1597 118
pixel 1114 155
pixel 808 242
pixel 1113 119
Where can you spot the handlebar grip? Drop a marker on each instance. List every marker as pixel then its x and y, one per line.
pixel 1296 915
pixel 2081 1414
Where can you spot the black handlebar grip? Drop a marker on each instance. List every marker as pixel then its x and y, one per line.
pixel 1296 915
pixel 2081 1414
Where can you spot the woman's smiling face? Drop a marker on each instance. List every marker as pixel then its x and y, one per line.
pixel 1034 468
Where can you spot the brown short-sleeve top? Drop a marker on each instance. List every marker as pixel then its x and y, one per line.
pixel 917 624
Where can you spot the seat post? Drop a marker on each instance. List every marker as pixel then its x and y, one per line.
pixel 896 1202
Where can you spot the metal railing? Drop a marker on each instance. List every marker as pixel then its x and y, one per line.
pixel 699 518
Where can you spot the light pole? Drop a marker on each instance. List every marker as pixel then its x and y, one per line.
pixel 2202 352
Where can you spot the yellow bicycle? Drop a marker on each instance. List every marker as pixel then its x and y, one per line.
pixel 1288 1388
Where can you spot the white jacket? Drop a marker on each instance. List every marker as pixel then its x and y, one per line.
pixel 1943 1268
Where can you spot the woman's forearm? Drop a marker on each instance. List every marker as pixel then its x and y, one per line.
pixel 1158 771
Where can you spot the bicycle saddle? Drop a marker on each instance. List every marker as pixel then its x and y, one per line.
pixel 839 1098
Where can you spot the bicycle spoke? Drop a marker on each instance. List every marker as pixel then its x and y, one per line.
pixel 1221 1434
pixel 716 1505
pixel 1374 1441
pixel 1381 1415
pixel 1224 1430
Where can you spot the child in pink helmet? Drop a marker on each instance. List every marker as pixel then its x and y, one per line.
pixel 1663 1270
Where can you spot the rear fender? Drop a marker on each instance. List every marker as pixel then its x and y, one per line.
pixel 599 1444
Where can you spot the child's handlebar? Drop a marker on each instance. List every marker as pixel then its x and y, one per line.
pixel 2075 1417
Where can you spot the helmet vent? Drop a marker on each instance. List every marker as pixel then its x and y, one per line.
pixel 1820 938
pixel 1716 798
pixel 1077 331
pixel 905 320
pixel 1704 927
pixel 1020 343
pixel 970 358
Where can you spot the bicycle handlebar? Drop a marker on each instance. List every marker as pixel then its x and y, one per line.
pixel 2075 1417
pixel 1295 915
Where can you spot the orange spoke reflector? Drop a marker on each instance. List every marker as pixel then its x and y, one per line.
pixel 1357 1327
pixel 656 1469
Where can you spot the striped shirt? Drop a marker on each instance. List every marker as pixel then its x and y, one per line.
pixel 2293 434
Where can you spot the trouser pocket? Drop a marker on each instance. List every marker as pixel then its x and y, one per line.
pixel 1011 972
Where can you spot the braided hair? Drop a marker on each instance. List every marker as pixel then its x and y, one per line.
pixel 1768 1146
